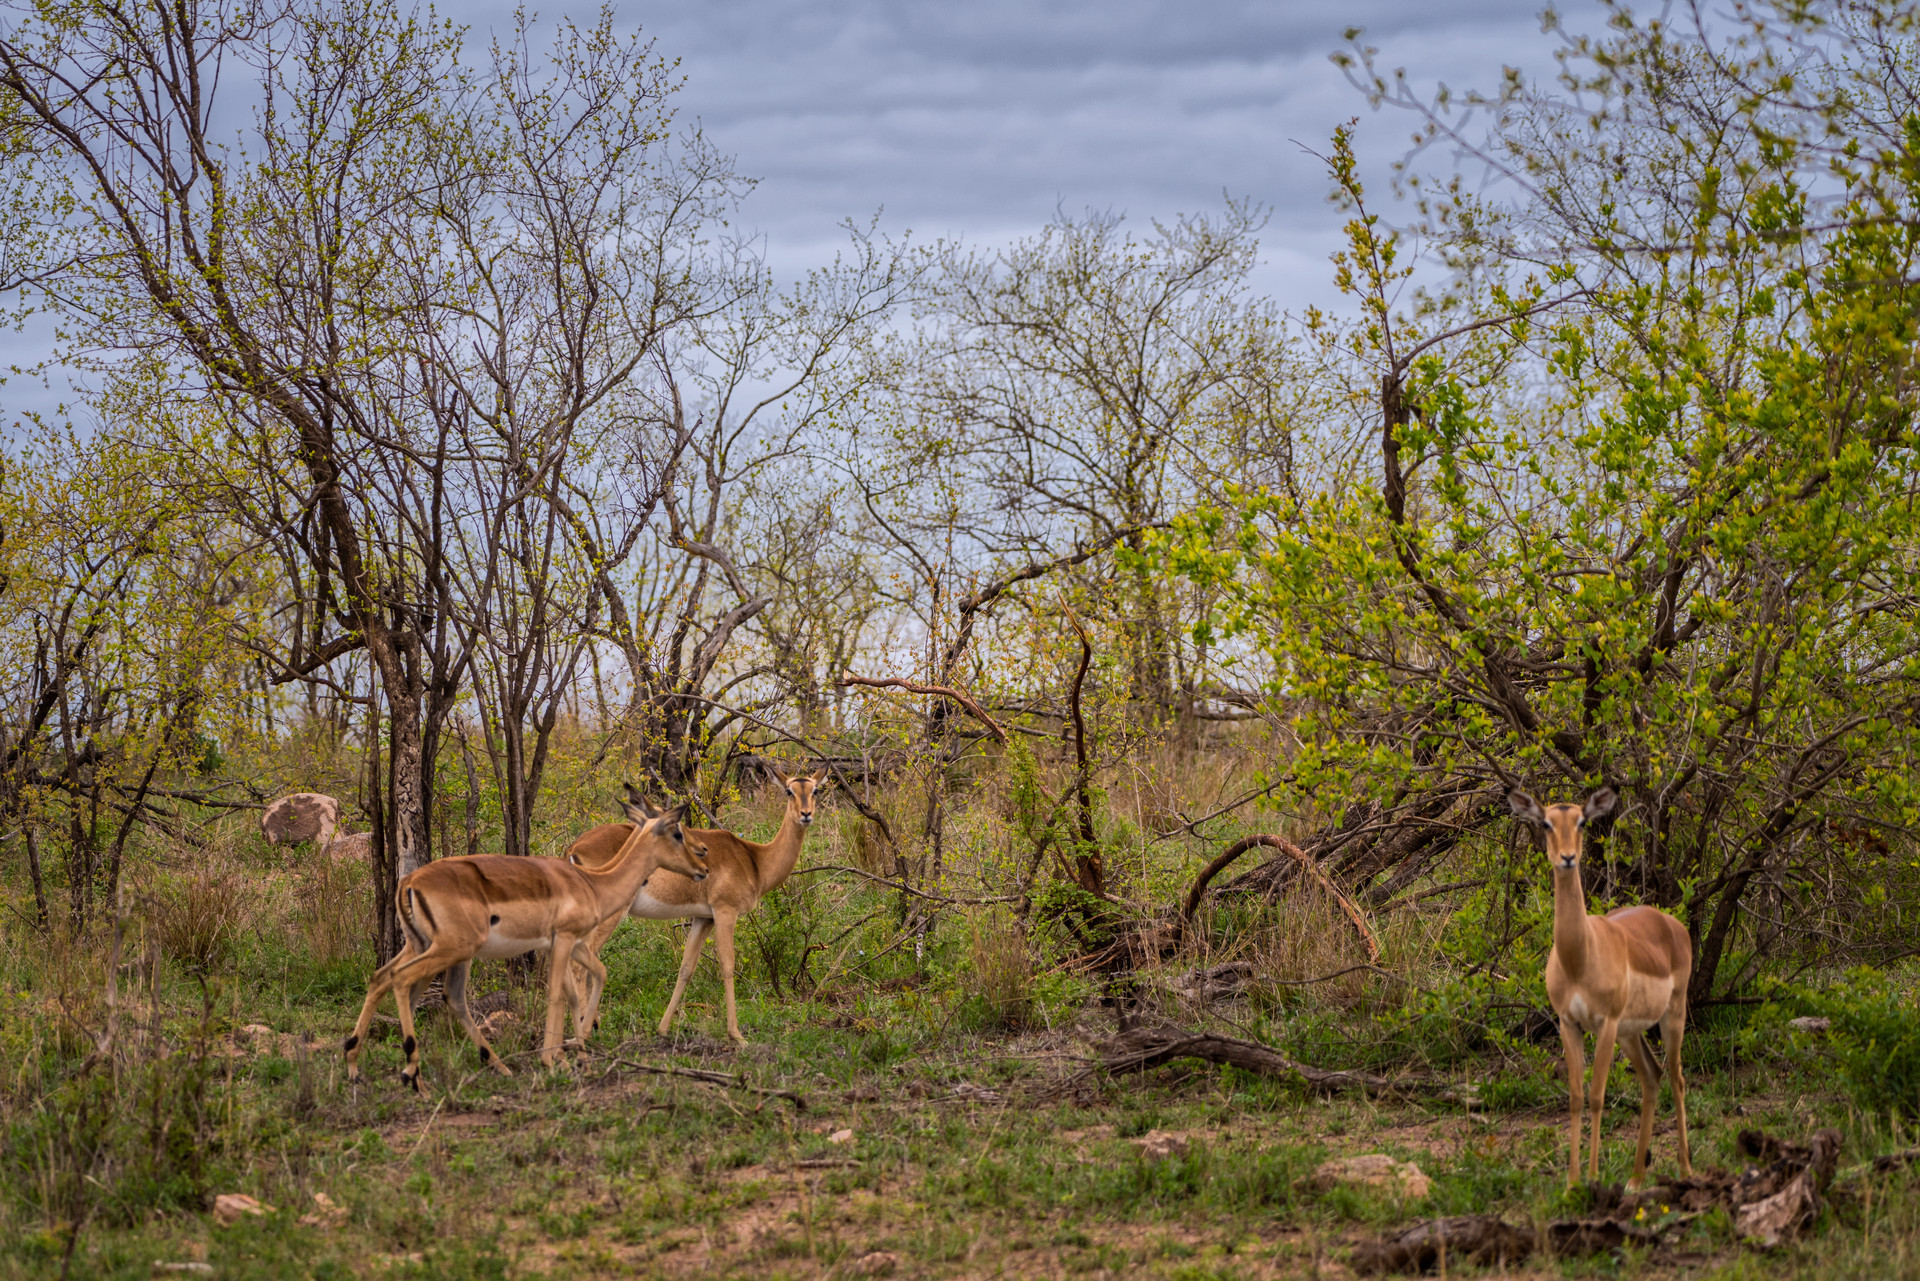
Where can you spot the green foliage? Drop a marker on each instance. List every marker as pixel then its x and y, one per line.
pixel 1874 1038
pixel 121 1142
pixel 1680 564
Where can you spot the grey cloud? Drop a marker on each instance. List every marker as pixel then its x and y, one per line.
pixel 980 120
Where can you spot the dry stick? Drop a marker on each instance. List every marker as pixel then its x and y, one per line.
pixel 702 1075
pixel 1371 969
pixel 1435 892
pixel 1094 864
pixel 915 687
pixel 1305 860
pixel 1143 1048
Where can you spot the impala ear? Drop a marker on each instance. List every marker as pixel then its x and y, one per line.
pixel 820 778
pixel 636 799
pixel 678 814
pixel 1525 808
pixel 1600 804
pixel 781 778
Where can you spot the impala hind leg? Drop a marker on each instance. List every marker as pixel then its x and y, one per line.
pixel 456 984
pixel 1602 1064
pixel 1672 1028
pixel 695 937
pixel 381 983
pixel 410 979
pixel 1648 1073
pixel 1572 1040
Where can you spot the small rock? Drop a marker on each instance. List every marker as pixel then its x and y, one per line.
pixel 862 1094
pixel 1376 1170
pixel 1811 1023
pixel 840 1136
pixel 1158 1145
pixel 874 1263
pixel 327 1213
pixel 975 1093
pixel 230 1207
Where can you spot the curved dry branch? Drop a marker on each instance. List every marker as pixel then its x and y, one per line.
pixel 1300 856
pixel 973 709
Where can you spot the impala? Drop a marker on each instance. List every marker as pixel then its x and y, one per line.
pixel 739 874
pixel 489 905
pixel 1615 976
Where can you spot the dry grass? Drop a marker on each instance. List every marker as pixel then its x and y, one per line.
pixel 1000 969
pixel 197 915
pixel 333 905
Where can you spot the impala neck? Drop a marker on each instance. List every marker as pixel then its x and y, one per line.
pixel 1569 920
pixel 779 856
pixel 620 877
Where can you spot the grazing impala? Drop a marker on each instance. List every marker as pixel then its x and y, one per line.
pixel 739 874
pixel 460 909
pixel 1615 976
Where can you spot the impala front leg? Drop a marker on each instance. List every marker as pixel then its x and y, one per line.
pixel 556 998
pixel 1572 1041
pixel 723 923
pixel 589 1012
pixel 695 937
pixel 1602 1064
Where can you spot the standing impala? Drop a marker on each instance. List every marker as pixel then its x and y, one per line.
pixel 739 874
pixel 1616 976
pixel 488 905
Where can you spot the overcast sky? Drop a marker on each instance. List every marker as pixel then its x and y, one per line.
pixel 980 118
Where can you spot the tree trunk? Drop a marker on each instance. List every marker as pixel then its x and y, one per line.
pixel 41 915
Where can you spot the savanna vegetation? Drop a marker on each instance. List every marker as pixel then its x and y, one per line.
pixel 448 449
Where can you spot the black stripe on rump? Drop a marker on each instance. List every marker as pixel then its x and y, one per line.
pixel 421 900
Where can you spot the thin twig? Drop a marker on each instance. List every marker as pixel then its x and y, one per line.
pixel 1372 969
pixel 700 1074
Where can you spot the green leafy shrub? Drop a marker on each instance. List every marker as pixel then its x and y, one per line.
pixel 1874 1038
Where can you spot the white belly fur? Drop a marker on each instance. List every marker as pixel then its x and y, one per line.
pixel 648 908
pixel 1647 1002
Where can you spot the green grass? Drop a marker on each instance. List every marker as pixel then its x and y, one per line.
pixel 600 1171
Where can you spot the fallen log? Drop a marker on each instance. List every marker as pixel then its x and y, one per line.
pixel 1769 1205
pixel 1138 1048
pixel 1483 1239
